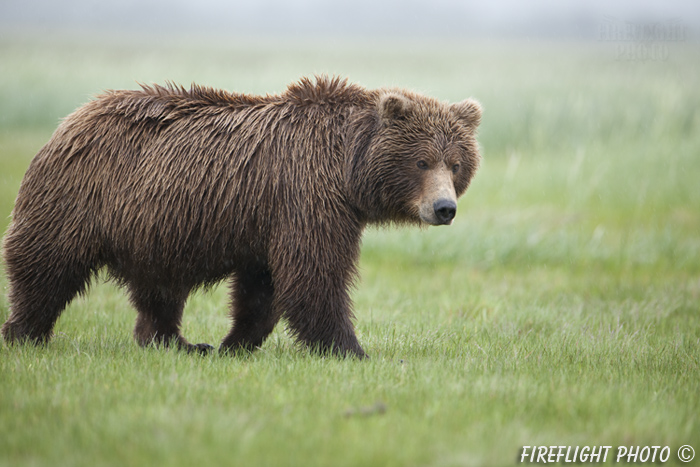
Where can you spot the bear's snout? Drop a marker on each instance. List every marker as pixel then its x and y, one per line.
pixel 437 204
pixel 445 210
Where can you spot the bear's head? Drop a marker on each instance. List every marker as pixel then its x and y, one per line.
pixel 411 157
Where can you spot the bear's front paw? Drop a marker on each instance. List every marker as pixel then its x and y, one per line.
pixel 201 349
pixel 354 351
pixel 357 353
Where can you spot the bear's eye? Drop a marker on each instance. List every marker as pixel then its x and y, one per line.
pixel 455 168
pixel 422 165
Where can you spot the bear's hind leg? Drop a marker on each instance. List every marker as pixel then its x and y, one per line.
pixel 159 316
pixel 38 294
pixel 252 310
pixel 42 281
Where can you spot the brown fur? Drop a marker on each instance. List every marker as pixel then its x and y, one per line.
pixel 173 189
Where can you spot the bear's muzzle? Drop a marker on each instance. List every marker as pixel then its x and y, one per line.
pixel 437 204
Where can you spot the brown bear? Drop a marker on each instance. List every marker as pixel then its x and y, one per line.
pixel 172 189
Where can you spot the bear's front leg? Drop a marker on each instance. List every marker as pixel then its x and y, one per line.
pixel 324 324
pixel 312 283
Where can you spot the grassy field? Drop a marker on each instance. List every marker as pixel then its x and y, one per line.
pixel 561 308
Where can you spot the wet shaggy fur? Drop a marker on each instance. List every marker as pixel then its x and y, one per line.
pixel 173 189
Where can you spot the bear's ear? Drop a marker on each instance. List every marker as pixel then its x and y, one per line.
pixel 394 106
pixel 469 111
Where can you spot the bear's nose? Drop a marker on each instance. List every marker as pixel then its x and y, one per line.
pixel 445 210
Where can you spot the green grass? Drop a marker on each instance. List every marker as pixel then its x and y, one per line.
pixel 561 308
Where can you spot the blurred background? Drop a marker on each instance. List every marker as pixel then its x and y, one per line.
pixel 359 18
